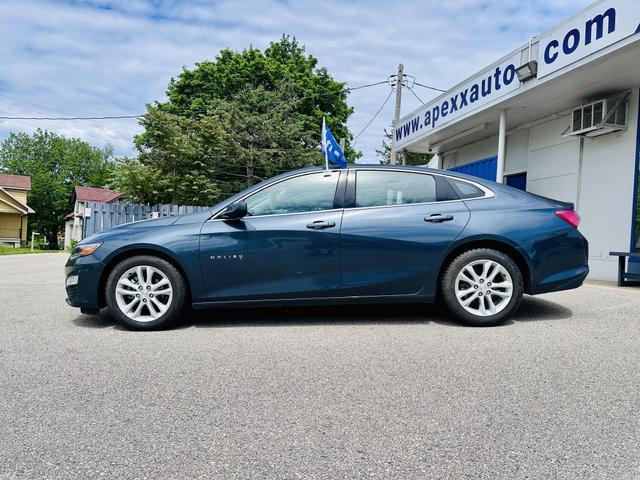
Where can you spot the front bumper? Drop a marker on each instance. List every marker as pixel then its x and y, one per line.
pixel 83 291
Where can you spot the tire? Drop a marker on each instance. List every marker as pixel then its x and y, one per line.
pixel 154 303
pixel 494 284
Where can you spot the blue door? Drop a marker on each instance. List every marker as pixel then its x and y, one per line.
pixel 394 235
pixel 518 181
pixel 485 168
pixel 287 245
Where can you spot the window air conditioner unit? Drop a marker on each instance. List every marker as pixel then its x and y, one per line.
pixel 600 117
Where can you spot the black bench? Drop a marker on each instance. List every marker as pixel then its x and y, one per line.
pixel 625 278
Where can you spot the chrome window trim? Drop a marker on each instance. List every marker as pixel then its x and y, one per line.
pixel 251 217
pixel 404 205
pixel 487 192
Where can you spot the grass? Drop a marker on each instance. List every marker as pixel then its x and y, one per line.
pixel 19 251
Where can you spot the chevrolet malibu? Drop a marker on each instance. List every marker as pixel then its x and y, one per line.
pixel 365 234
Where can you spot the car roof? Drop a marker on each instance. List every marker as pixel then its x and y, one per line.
pixel 406 168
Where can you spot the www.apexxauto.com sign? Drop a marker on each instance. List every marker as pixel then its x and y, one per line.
pixel 601 25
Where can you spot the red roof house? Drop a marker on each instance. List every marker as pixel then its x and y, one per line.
pixel 93 194
pixel 75 220
pixel 19 182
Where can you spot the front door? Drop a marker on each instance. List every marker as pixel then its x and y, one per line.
pixel 286 247
pixel 393 239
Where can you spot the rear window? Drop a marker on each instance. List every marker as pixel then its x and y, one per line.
pixel 465 190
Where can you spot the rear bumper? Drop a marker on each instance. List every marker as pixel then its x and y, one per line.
pixel 566 280
pixel 561 261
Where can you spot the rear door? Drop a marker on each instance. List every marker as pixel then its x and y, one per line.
pixel 395 233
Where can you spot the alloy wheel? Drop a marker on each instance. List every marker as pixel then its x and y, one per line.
pixel 483 287
pixel 144 293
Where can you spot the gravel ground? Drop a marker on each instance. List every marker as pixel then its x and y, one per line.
pixel 375 392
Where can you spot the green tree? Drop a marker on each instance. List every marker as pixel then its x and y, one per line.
pixel 55 164
pixel 254 135
pixel 410 158
pixel 314 92
pixel 233 121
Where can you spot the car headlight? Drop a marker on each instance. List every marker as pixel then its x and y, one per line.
pixel 84 249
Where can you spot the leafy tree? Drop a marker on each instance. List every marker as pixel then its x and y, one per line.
pixel 233 121
pixel 254 135
pixel 136 182
pixel 55 164
pixel 411 158
pixel 314 93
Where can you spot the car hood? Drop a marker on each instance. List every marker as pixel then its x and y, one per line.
pixel 151 224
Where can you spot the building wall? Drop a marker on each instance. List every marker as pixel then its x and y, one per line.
pixel 516 156
pixel 25 225
pixel 9 220
pixel 20 195
pixel 471 153
pixel 553 161
pixel 595 174
pixel 606 194
pixel 516 152
pixel 73 227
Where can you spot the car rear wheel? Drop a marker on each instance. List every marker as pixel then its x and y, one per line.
pixel 145 293
pixel 482 287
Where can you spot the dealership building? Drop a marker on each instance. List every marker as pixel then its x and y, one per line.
pixel 557 116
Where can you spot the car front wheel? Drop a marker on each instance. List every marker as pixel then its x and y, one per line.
pixel 482 287
pixel 145 293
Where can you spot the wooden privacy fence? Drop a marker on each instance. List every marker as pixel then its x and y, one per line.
pixel 102 216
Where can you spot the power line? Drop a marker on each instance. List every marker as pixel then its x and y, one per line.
pixel 369 85
pixel 415 95
pixel 39 107
pixel 374 117
pixel 108 117
pixel 429 87
pixel 122 117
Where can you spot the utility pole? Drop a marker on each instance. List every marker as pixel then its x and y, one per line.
pixel 396 117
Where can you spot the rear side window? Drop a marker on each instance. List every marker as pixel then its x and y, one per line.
pixel 464 189
pixel 378 188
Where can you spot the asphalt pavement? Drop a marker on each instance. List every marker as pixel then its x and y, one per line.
pixel 317 393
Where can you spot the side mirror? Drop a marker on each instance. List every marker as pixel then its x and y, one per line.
pixel 235 211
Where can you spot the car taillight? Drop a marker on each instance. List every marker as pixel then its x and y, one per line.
pixel 569 216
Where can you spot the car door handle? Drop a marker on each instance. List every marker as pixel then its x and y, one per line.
pixel 438 218
pixel 321 225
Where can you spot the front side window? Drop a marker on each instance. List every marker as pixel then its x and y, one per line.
pixel 306 193
pixel 378 188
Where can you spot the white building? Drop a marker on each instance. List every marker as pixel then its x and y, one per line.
pixel 557 116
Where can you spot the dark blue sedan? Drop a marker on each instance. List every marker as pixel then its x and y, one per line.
pixel 363 234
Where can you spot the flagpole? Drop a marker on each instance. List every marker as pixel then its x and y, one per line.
pixel 324 144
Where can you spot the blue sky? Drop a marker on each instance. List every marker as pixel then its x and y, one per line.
pixel 94 57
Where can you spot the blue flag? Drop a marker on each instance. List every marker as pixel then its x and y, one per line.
pixel 331 148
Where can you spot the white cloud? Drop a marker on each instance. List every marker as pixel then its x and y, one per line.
pixel 112 57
